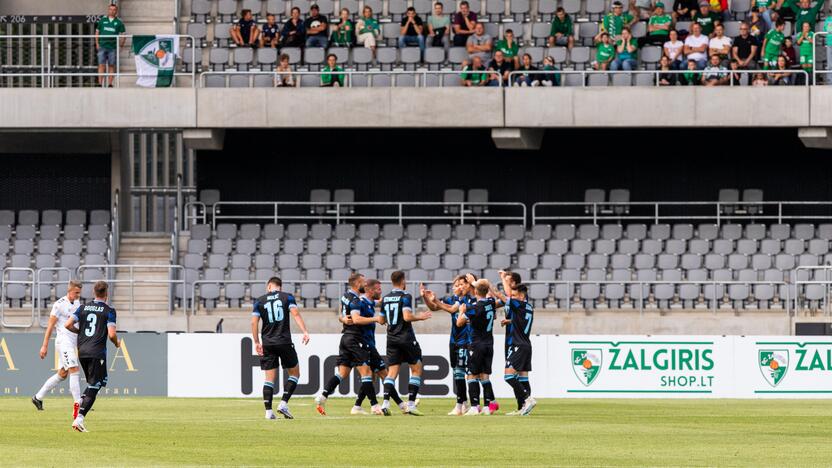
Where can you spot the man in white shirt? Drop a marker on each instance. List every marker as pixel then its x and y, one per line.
pixel 66 344
pixel 720 45
pixel 696 46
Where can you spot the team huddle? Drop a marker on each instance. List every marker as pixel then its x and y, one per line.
pixel 83 331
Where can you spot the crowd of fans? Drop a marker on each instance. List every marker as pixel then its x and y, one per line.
pixel 701 54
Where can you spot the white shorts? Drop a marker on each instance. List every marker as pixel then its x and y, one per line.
pixel 67 355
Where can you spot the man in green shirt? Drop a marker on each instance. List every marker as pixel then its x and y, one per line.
pixel 510 48
pixel 773 44
pixel 805 13
pixel 562 32
pixel 615 21
pixel 332 79
pixel 604 53
pixel 658 27
pixel 706 18
pixel 806 44
pixel 368 29
pixel 470 79
pixel 105 43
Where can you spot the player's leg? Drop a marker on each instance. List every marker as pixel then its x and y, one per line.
pixel 367 385
pixel 413 387
pixel 530 403
pixel 510 377
pixel 53 381
pixel 75 389
pixel 390 386
pixel 289 360
pixel 487 393
pixel 268 391
pixel 473 384
pixel 96 373
pixel 457 356
pixel 345 364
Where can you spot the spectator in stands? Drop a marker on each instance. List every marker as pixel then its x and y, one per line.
pixel 738 78
pixel 758 27
pixel 509 47
pixel 706 18
pixel 411 32
pixel 804 12
pixel 316 26
pixel 604 52
pixel 720 7
pixel 715 74
pixel 245 32
pixel 343 34
pixel 744 48
pixel 827 28
pixel 500 68
pixel 773 44
pixel 549 79
pixel 789 53
pixel 691 77
pixel 271 33
pixel 473 74
pixel 439 26
pixel 331 80
pixel 696 46
pixel 563 31
pixel 666 78
pixel 284 72
pixel 465 22
pixel 658 27
pixel 683 10
pixel 673 50
pixel 806 45
pixel 528 77
pixel 625 52
pixel 720 45
pixel 615 21
pixel 368 29
pixel 479 43
pixel 110 25
pixel 760 80
pixel 782 76
pixel 294 33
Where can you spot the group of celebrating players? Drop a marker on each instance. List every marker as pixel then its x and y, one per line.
pixel 473 308
pixel 83 331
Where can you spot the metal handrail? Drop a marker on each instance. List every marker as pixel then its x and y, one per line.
pixel 195 213
pixel 115 233
pixel 347 74
pixel 400 217
pixel 595 211
pixel 656 73
pixel 815 72
pixel 133 281
pixel 826 283
pixel 3 285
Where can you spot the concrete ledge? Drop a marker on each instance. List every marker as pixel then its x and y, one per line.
pixel 820 110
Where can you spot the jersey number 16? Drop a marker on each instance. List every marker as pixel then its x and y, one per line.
pixel 275 310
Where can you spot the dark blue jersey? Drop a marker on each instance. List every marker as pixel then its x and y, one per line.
pixel 481 318
pixel 273 310
pixel 368 309
pixel 521 315
pixel 460 336
pixel 350 302
pixel 93 320
pixel 270 31
pixel 393 306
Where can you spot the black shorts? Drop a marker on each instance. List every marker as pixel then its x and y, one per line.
pixel 353 352
pixel 479 359
pixel 458 357
pixel 398 353
pixel 95 370
pixel 376 361
pixel 519 358
pixel 285 354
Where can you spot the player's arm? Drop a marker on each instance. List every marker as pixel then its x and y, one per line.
pixel 462 318
pixel 357 319
pixel 111 329
pixel 409 315
pixel 53 319
pixel 293 308
pixel 70 324
pixel 255 329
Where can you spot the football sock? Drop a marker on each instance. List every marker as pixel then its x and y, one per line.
pixel 487 391
pixel 75 386
pixel 519 392
pixel 390 391
pixel 369 390
pixel 268 394
pixel 413 389
pixel 87 400
pixel 359 399
pixel 524 381
pixel 330 386
pixel 459 385
pixel 289 389
pixel 50 383
pixel 474 392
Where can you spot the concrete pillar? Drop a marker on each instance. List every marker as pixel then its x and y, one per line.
pixel 816 137
pixel 203 138
pixel 517 138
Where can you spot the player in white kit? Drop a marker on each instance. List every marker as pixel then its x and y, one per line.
pixel 66 347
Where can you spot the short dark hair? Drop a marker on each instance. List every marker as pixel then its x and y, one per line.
pixel 780 22
pixel 372 282
pixel 560 10
pixel 275 281
pixel 244 12
pixel 295 8
pixel 332 55
pixel 314 6
pixel 515 277
pixel 353 279
pixel 463 2
pixel 100 289
pixel 283 57
pixel 411 9
pixel 522 289
pixel 508 31
pixel 397 277
pixel 439 3
pixel 270 15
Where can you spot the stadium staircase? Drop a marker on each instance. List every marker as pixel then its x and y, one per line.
pixel 142 249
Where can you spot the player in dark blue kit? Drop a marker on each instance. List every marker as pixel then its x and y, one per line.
pixel 277 347
pixel 519 318
pixel 397 312
pixel 481 351
pixel 460 335
pixel 352 351
pixel 372 293
pixel 96 322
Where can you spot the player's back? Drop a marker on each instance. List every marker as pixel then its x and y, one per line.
pixel 368 309
pixel 460 336
pixel 481 317
pixel 92 320
pixel 521 314
pixel 273 310
pixel 350 302
pixel 393 306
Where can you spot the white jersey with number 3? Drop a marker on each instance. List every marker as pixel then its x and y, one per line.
pixel 63 309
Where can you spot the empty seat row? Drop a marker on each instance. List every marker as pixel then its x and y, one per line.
pixel 53 217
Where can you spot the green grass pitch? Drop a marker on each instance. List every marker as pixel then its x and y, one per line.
pixel 169 431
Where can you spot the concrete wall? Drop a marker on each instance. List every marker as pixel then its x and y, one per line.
pixel 427 107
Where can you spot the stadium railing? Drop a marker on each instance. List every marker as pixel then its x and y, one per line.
pixel 663 211
pixel 196 212
pixel 586 80
pixel 249 78
pixel 39 65
pixel 8 281
pixel 820 35
pixel 131 280
pixel 804 282
pixel 49 281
